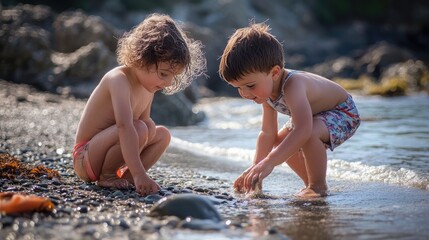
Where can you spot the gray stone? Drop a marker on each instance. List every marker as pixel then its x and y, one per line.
pixel 186 205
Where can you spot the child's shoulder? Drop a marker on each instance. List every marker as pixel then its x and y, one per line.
pixel 119 73
pixel 292 72
pixel 115 78
pixel 302 74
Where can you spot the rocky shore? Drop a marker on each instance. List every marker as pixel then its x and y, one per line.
pixel 38 128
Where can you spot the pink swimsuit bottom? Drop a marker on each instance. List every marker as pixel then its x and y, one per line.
pixel 81 163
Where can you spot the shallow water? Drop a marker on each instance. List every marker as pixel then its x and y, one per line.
pixel 353 210
pixel 379 179
pixel 390 146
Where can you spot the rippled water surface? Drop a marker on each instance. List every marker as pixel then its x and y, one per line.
pixel 378 179
pixel 391 145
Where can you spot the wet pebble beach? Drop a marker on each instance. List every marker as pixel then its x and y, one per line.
pixel 38 128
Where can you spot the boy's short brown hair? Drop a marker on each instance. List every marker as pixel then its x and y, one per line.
pixel 250 49
pixel 159 39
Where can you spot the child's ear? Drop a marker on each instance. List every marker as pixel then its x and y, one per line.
pixel 276 72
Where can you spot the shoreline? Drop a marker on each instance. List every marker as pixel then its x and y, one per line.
pixel 39 128
pixel 352 210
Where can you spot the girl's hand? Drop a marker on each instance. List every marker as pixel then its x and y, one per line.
pixel 145 185
pixel 256 175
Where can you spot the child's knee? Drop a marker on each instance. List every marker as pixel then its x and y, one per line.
pixel 142 131
pixel 163 134
pixel 151 129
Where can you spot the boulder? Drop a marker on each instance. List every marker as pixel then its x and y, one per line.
pixel 88 63
pixel 380 56
pixel 175 110
pixel 414 73
pixel 25 55
pixel 69 53
pixel 25 14
pixel 75 29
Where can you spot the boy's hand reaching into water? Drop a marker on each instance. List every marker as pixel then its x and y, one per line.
pixel 255 176
pixel 145 185
pixel 239 182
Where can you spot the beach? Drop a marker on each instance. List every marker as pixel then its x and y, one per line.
pixel 39 128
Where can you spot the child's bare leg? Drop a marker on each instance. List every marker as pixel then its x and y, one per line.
pixel 316 161
pixel 113 161
pixel 297 161
pixel 153 150
pixel 297 164
pixel 106 157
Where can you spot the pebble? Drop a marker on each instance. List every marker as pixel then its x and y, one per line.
pixel 6 221
pixel 153 198
pixel 82 208
pixel 123 224
pixel 117 194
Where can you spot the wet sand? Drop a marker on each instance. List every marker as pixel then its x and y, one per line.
pixel 39 128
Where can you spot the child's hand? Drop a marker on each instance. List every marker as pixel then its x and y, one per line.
pixel 239 182
pixel 145 185
pixel 256 174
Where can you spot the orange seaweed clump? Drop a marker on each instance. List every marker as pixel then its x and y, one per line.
pixel 11 168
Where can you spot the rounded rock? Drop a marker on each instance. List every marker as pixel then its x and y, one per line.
pixel 186 205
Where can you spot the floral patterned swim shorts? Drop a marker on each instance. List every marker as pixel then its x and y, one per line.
pixel 342 122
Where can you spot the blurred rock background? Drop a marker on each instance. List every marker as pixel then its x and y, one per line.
pixel 65 47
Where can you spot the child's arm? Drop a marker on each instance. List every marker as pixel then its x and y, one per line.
pixel 268 134
pixel 301 113
pixel 128 138
pixel 264 143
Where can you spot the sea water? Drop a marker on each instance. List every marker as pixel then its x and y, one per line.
pixel 391 146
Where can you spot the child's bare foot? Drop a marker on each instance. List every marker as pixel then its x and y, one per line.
pixel 302 189
pixel 311 193
pixel 113 181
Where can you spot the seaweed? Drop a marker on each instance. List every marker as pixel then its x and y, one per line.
pixel 12 168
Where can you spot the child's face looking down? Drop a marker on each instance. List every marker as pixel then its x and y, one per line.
pixel 156 78
pixel 256 86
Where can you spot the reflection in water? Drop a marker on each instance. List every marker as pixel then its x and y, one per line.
pixel 311 219
pixel 296 218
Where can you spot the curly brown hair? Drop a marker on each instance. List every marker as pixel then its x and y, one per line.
pixel 250 49
pixel 159 39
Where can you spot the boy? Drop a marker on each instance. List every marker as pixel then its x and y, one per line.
pixel 115 133
pixel 322 114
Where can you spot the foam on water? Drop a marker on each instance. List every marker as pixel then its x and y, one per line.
pixel 233 153
pixel 360 172
pixel 337 168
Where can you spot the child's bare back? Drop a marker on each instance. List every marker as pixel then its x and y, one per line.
pixel 322 94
